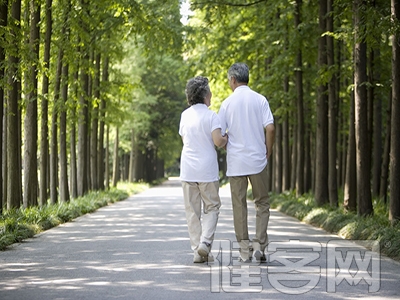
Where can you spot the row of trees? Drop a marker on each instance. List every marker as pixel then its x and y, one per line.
pixel 79 73
pixel 75 73
pixel 330 70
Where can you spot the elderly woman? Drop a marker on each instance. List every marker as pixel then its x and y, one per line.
pixel 200 129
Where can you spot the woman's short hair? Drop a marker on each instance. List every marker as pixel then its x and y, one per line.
pixel 196 90
pixel 240 71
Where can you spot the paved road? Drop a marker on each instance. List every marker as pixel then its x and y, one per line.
pixel 139 249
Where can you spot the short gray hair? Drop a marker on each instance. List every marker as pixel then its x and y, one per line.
pixel 196 90
pixel 240 71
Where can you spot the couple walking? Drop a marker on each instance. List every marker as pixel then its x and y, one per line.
pixel 245 117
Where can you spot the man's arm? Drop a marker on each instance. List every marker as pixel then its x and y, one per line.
pixel 269 138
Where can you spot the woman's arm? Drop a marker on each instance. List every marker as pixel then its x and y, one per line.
pixel 218 139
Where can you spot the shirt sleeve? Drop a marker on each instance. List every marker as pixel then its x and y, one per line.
pixel 215 122
pixel 268 118
pixel 181 126
pixel 221 115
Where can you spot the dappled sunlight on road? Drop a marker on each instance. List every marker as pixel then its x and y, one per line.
pixel 139 249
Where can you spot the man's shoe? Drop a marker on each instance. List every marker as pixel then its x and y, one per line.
pixel 204 249
pixel 259 256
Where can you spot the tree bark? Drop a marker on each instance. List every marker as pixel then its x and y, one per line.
pixel 54 131
pixel 64 190
pixel 73 159
pixel 116 171
pixel 102 113
pixel 333 113
pixel 107 163
pixel 132 158
pixel 294 161
pixel 94 168
pixel 30 193
pixel 83 133
pixel 383 191
pixel 364 200
pixel 322 159
pixel 44 131
pixel 278 157
pixel 3 23
pixel 300 110
pixel 14 186
pixel 350 186
pixel 394 211
pixel 377 129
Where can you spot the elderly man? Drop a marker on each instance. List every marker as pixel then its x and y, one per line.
pixel 247 118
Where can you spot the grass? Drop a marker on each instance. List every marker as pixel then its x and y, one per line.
pixel 22 223
pixel 346 224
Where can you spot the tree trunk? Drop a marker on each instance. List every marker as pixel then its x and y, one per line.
pixel 350 186
pixel 116 172
pixel 64 190
pixel 364 200
pixel 3 23
pixel 285 154
pixel 100 156
pixel 14 186
pixel 308 169
pixel 139 165
pixel 394 211
pixel 278 157
pixel 73 159
pixel 30 193
pixel 322 159
pixel 44 131
pixel 132 158
pixel 83 132
pixel 300 110
pixel 95 125
pixel 333 113
pixel 294 161
pixel 383 192
pixel 54 132
pixel 377 131
pixel 83 119
pixel 107 164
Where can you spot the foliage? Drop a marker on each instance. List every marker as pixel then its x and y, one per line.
pixel 346 224
pixel 19 224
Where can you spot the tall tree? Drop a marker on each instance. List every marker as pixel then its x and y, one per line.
pixel 116 171
pixel 350 185
pixel 322 161
pixel 62 87
pixel 364 199
pixel 3 23
pixel 102 114
pixel 333 111
pixel 64 191
pixel 94 169
pixel 44 131
pixel 14 186
pixel 83 121
pixel 300 109
pixel 31 117
pixel 394 212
